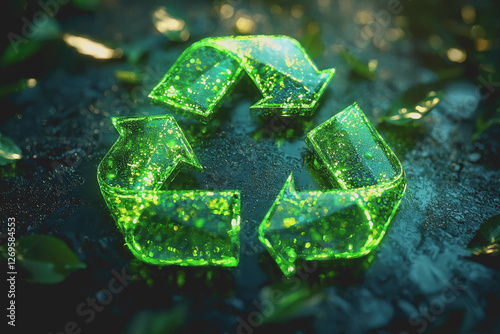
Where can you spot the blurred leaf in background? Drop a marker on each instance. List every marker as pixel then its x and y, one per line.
pixel 164 321
pixel 415 103
pixel 172 23
pixel 46 259
pixel 128 77
pixel 366 71
pixel 487 239
pixel 9 151
pixel 89 5
pixel 461 39
pixel 90 47
pixel 489 117
pixel 291 304
pixel 136 50
pixel 485 246
pixel 311 40
pixel 21 47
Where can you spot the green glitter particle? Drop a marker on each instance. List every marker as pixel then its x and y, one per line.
pixel 162 227
pixel 344 223
pixel 288 80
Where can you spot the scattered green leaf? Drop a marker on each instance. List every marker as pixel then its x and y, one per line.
pixel 21 47
pixel 171 22
pixel 487 240
pixel 358 67
pixel 415 103
pixel 17 52
pixel 90 5
pixel 311 40
pixel 130 77
pixel 48 31
pixel 490 116
pixel 90 47
pixel 159 321
pixel 139 48
pixel 485 246
pixel 9 151
pixel 13 87
pixel 46 259
pixel 293 304
pixel 450 72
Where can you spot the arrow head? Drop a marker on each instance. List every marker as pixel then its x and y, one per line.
pixel 315 225
pixel 287 78
pixel 338 223
pixel 267 229
pixel 291 96
pixel 147 154
pixel 164 227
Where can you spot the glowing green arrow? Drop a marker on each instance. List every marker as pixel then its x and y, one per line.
pixel 342 223
pixel 288 80
pixel 165 226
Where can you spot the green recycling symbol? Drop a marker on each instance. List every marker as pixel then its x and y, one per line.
pixel 200 228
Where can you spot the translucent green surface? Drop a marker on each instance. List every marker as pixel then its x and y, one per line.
pixel 344 223
pixel 288 80
pixel 166 226
pixel 202 227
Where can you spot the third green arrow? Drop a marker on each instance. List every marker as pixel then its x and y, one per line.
pixel 344 223
pixel 165 227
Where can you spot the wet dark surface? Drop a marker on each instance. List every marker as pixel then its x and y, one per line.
pixel 420 279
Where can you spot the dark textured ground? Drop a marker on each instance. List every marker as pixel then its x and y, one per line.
pixel 421 278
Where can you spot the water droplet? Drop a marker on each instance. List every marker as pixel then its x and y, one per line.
pixel 368 155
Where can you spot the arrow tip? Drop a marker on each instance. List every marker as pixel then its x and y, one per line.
pixel 148 153
pixel 294 97
pixel 288 188
pixel 285 260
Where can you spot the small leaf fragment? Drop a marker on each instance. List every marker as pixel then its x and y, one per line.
pixel 50 30
pixel 87 46
pixel 136 50
pixel 130 77
pixel 46 259
pixel 171 22
pixel 490 116
pixel 487 240
pixel 21 47
pixel 15 53
pixel 89 5
pixel 159 321
pixel 294 304
pixel 9 151
pixel 357 66
pixel 311 41
pixel 13 87
pixel 414 104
